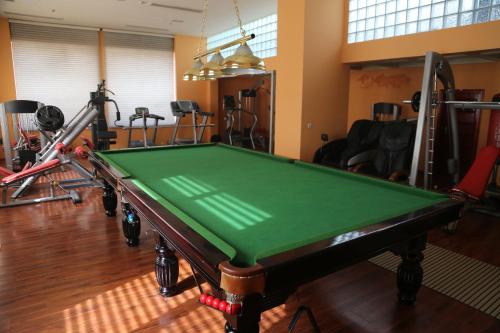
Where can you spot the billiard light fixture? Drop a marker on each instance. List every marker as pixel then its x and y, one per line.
pixel 243 61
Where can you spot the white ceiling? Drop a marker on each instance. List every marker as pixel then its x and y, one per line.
pixel 136 15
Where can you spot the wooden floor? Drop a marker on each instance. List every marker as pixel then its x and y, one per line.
pixel 66 268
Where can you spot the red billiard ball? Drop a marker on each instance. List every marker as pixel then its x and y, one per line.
pixel 222 306
pixel 215 303
pixel 203 298
pixel 235 309
pixel 209 300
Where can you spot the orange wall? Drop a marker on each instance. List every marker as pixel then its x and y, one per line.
pixel 325 78
pixel 484 36
pixel 311 85
pixel 289 77
pixel 7 85
pixel 397 84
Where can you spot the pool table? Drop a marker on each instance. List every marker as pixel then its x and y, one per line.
pixel 257 226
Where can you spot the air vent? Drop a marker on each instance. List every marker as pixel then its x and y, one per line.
pixel 146 28
pixel 184 9
pixel 33 16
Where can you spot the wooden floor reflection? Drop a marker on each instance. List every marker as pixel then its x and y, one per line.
pixel 66 268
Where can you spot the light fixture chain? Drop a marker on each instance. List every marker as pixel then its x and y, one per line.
pixel 203 25
pixel 237 11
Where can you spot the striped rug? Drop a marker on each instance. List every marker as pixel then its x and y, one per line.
pixel 465 279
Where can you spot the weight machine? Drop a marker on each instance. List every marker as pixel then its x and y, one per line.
pixel 64 137
pixel 26 145
pixel 437 68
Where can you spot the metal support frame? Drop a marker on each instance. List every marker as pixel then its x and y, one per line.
pixel 437 68
pixel 76 126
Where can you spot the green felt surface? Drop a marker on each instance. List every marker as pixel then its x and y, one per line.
pixel 252 205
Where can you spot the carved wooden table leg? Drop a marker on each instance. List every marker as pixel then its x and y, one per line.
pixel 131 225
pixel 166 268
pixel 410 272
pixel 109 199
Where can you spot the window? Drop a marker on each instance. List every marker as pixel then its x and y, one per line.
pixel 140 71
pixel 55 66
pixel 264 45
pixel 375 19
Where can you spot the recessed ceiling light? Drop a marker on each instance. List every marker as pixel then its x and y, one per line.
pixel 177 21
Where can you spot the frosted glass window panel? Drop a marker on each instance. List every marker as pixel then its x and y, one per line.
pixel 360 36
pixel 351 38
pixel 483 3
pixel 425 13
pixel 495 13
pixel 379 21
pixel 412 15
pixel 438 9
pixel 360 26
pixel 466 18
pixel 370 11
pixel 370 23
pixel 423 25
pixel 380 9
pixel 467 5
pixel 55 66
pixel 402 4
pixel 352 27
pixel 400 17
pixel 390 7
pixel 482 15
pixel 389 31
pixel 400 30
pixel 266 31
pixel 450 21
pixel 390 19
pixel 361 14
pixel 413 3
pixel 379 33
pixel 411 28
pixel 451 7
pixel 437 23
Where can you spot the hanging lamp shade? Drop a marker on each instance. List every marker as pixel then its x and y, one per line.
pixel 192 74
pixel 243 61
pixel 212 69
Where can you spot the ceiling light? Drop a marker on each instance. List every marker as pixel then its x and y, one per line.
pixel 243 61
pixel 212 69
pixel 193 73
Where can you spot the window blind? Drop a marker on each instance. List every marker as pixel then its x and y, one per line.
pixel 55 66
pixel 140 71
